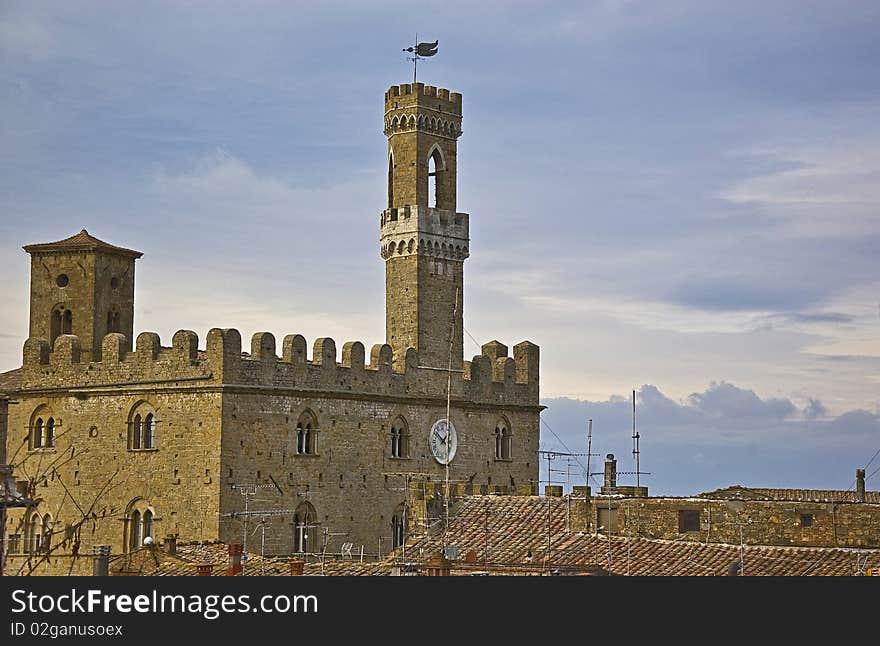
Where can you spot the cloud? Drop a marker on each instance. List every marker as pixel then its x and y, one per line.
pixel 724 401
pixel 814 409
pixel 722 435
pixel 738 295
pixel 857 422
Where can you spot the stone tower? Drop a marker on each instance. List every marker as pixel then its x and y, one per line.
pixel 82 286
pixel 424 240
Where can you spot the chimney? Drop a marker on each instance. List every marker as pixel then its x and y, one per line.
pixel 100 560
pixel 553 491
pixel 860 485
pixel 171 544
pixel 235 552
pixel 296 568
pixel 610 471
pixel 439 565
pixel 204 569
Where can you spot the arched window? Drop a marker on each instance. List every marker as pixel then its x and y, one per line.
pixel 37 434
pixel 305 528
pixel 41 434
pixel 390 180
pixel 399 525
pixel 142 427
pixel 307 434
pixel 139 523
pixel 399 438
pixel 67 323
pixel 435 166
pixel 502 440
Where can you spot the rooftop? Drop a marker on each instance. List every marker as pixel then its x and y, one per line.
pixel 739 492
pixel 82 241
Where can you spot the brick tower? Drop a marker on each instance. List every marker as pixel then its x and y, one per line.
pixel 82 286
pixel 424 240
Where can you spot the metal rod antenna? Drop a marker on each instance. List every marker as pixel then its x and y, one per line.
pixel 415 57
pixel 589 450
pixel 448 403
pixel 635 438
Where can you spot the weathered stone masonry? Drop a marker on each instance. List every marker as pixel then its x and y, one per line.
pixel 154 437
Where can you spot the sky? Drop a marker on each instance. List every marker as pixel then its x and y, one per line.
pixel 677 198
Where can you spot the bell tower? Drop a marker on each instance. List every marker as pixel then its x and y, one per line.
pixel 424 241
pixel 82 286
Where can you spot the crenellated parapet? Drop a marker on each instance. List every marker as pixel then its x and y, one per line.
pixel 491 377
pixel 424 108
pixel 424 231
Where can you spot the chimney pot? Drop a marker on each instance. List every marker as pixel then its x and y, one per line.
pixel 860 485
pixel 296 568
pixel 101 560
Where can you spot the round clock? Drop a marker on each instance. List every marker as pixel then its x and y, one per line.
pixel 443 441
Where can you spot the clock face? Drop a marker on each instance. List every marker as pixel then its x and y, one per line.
pixel 443 441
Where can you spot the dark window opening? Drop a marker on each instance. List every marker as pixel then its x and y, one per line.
pixel 399 439
pixel 306 432
pixel 67 324
pixel 399 526
pixel 806 520
pixel 688 520
pixel 55 325
pixel 49 438
pixel 390 181
pixel 62 280
pixel 502 442
pixel 37 437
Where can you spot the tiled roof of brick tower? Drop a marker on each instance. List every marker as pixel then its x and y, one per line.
pixel 739 492
pixel 10 381
pixel 82 241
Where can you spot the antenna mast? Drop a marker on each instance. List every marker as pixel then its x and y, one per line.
pixel 635 439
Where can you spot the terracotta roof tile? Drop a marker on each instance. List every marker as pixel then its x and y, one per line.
pixel 10 381
pixel 738 492
pixel 82 241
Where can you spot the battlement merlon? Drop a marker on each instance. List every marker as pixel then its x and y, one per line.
pixel 489 378
pixel 433 232
pixel 409 95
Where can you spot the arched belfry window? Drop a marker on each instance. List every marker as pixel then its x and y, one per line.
pixel 142 428
pixel 399 525
pixel 305 528
pixel 399 438
pixel 67 324
pixel 390 180
pixel 307 434
pixel 502 440
pixel 435 167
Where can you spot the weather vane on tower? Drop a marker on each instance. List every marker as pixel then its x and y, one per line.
pixel 419 51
